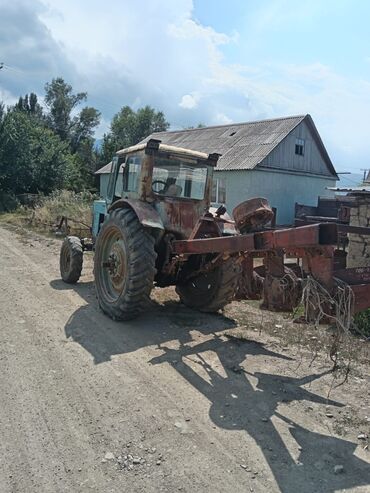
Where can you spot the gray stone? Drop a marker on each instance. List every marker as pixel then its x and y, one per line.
pixel 338 469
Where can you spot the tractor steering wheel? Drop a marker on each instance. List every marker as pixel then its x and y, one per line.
pixel 162 183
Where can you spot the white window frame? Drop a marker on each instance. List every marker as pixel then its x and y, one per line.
pixel 220 184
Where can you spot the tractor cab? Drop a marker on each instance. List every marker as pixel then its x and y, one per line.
pixel 168 187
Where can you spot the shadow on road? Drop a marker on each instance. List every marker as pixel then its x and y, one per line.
pixel 103 338
pixel 239 400
pixel 235 404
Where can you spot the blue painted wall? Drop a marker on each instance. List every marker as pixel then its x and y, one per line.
pixel 282 189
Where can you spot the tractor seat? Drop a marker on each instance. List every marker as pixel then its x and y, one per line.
pixel 174 190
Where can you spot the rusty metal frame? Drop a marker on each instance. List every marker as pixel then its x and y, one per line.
pixel 305 236
pixel 315 244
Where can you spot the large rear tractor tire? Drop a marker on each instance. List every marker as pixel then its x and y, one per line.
pixel 71 259
pixel 211 291
pixel 124 265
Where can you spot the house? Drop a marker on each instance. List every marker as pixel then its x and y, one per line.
pixel 281 159
pixel 103 174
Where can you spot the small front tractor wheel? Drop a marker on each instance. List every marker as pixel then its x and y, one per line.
pixel 71 259
pixel 211 291
pixel 124 265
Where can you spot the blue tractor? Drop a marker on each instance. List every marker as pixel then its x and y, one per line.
pixel 157 194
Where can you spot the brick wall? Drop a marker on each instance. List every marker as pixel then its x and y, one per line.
pixel 359 245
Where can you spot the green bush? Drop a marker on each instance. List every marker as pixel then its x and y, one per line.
pixel 8 202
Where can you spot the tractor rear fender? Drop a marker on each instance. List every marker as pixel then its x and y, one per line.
pixel 146 214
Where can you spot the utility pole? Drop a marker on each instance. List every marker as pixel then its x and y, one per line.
pixel 366 171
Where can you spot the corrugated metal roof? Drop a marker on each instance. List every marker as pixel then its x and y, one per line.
pixel 241 145
pixel 105 169
pixel 365 190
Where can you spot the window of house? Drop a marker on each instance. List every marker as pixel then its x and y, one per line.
pixel 218 191
pixel 299 147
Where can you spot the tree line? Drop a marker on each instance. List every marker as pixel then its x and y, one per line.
pixel 52 146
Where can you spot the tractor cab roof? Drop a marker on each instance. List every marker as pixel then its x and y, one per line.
pixel 157 146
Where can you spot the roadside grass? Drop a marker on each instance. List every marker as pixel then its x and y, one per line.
pixel 16 218
pixel 362 321
pixel 312 342
pixel 47 213
pixel 347 351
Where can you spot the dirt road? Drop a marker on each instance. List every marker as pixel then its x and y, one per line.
pixel 166 403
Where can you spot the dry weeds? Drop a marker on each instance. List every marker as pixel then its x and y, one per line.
pixel 47 213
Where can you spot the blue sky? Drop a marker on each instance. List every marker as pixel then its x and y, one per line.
pixel 335 33
pixel 329 41
pixel 202 61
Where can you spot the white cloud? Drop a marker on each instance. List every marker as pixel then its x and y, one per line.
pixel 151 51
pixel 339 104
pixel 189 29
pixel 189 101
pixel 7 97
pixel 221 119
pixel 139 52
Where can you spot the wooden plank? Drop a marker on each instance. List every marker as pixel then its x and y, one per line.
pixel 354 275
pixel 302 222
pixel 359 230
pixel 322 219
pixel 304 210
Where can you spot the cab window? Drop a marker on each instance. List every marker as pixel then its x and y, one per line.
pixel 179 178
pixel 131 174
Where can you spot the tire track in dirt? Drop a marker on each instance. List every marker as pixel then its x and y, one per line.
pixel 58 379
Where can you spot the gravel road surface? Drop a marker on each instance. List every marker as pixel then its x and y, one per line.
pixel 163 404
